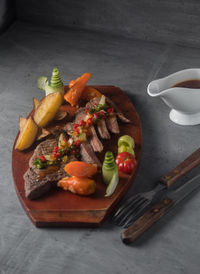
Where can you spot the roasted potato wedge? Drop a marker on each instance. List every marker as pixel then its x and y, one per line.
pixel 47 109
pixel 28 133
pixel 36 103
pixel 22 122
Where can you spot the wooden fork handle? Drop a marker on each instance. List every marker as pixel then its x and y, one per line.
pixel 189 163
pixel 135 230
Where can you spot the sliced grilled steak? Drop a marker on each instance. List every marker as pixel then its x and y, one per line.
pixel 112 123
pixel 101 126
pixel 79 115
pixel 88 154
pixel 93 103
pixel 102 129
pixel 120 115
pixel 69 128
pixel 35 188
pixel 123 118
pixel 37 183
pixel 95 142
pixel 44 148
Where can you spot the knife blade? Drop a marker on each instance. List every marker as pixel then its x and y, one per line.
pixel 151 216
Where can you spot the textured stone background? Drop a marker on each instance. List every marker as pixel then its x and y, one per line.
pixel 118 52
pixel 171 21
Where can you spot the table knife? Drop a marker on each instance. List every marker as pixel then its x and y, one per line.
pixel 143 223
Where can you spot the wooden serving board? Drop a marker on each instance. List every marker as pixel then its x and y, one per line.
pixel 61 208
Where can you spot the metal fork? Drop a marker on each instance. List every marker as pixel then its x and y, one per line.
pixel 137 204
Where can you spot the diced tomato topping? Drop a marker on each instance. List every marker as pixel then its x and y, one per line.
pixel 56 154
pixel 42 157
pixel 55 149
pixel 82 123
pixel 86 110
pixel 88 133
pixel 110 110
pixel 96 115
pixel 102 112
pixel 74 152
pixel 75 126
pixel 89 121
pixel 77 143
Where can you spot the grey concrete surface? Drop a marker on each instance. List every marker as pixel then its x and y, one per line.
pixel 170 246
pixel 171 21
pixel 7 13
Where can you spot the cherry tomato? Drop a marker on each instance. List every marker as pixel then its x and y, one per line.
pixel 126 162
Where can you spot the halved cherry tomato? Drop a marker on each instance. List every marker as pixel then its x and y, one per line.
pixel 126 162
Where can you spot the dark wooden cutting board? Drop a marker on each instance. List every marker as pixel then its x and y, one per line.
pixel 61 208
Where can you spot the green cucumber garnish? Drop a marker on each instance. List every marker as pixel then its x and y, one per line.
pixel 56 84
pixel 112 185
pixel 126 149
pixel 126 140
pixel 42 81
pixel 126 144
pixel 109 167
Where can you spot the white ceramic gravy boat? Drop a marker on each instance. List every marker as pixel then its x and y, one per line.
pixel 184 102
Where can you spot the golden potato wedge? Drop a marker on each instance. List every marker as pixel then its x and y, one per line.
pixel 27 134
pixel 47 109
pixel 36 103
pixel 22 122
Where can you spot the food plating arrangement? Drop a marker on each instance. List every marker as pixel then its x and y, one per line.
pixel 76 140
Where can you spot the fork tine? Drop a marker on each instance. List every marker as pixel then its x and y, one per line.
pixel 133 217
pixel 133 210
pixel 130 202
pixel 126 203
pixel 126 211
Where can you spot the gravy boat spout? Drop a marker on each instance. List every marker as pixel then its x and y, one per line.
pixel 183 101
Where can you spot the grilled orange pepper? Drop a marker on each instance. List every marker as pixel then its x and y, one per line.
pixel 90 93
pixel 74 93
pixel 77 185
pixel 80 169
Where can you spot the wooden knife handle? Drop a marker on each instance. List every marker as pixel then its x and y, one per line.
pixel 189 163
pixel 135 230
